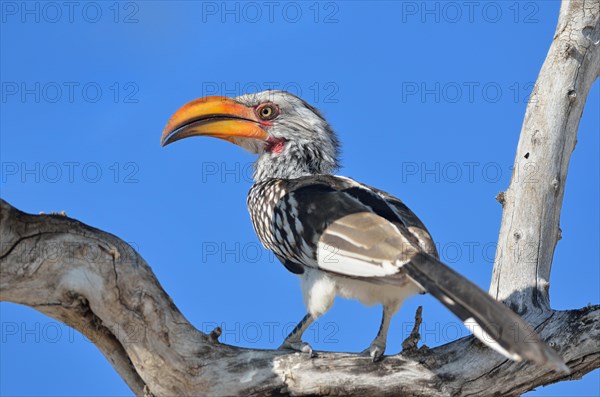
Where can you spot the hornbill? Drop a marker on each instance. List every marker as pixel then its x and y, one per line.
pixel 340 236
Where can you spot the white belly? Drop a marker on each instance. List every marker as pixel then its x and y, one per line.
pixel 320 289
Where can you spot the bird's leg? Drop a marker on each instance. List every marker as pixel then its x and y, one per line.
pixel 294 339
pixel 377 347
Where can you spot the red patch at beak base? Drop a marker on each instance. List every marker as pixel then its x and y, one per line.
pixel 275 145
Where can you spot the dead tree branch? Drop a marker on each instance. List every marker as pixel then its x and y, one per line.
pixel 530 220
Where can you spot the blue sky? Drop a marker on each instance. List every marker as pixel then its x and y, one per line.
pixel 428 100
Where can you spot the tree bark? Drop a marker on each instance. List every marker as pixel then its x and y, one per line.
pixel 530 221
pixel 97 284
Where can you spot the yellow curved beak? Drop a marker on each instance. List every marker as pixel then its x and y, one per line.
pixel 216 116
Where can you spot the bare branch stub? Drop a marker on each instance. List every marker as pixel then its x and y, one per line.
pixel 409 345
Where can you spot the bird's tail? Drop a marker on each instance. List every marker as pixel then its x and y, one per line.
pixel 488 319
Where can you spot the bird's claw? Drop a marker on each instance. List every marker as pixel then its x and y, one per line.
pixel 375 351
pixel 300 346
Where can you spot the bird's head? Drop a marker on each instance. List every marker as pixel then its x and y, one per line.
pixel 291 137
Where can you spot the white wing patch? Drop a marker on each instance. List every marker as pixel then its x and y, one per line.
pixel 483 336
pixel 347 263
pixel 363 245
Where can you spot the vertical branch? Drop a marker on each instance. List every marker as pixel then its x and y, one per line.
pixel 530 220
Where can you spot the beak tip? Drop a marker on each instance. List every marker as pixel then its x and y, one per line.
pixel 166 137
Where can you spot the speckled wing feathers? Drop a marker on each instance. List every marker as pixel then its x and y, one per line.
pixel 341 218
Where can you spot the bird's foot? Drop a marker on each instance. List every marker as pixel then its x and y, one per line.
pixel 299 346
pixel 375 351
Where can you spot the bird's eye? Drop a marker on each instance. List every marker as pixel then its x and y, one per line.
pixel 267 111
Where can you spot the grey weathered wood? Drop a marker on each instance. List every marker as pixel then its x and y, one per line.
pixel 530 219
pixel 96 283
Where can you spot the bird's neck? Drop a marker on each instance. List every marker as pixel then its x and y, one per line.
pixel 270 169
pixel 293 164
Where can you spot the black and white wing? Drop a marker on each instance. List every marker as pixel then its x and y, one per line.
pixel 349 229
